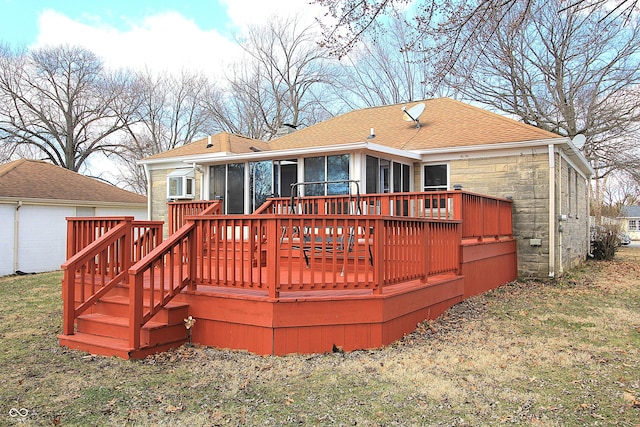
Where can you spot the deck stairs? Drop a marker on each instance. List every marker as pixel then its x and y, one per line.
pixel 104 328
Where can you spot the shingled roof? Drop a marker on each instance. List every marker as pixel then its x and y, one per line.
pixel 32 179
pixel 630 212
pixel 222 142
pixel 445 123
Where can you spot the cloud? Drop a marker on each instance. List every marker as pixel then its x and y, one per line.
pixel 166 41
pixel 251 12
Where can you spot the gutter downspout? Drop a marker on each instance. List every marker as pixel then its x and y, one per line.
pixel 559 217
pixel 147 175
pixel 16 240
pixel 552 215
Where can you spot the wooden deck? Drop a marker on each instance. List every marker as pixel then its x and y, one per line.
pixel 277 283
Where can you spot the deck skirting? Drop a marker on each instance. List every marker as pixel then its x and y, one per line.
pixel 315 324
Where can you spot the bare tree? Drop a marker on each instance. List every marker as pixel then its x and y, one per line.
pixel 279 81
pixel 385 69
pixel 568 72
pixel 60 104
pixel 244 107
pixel 620 189
pixel 459 21
pixel 171 113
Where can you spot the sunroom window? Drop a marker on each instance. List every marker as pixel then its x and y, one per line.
pixel 181 184
pixel 329 168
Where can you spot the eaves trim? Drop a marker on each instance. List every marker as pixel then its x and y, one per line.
pixel 59 202
pixel 491 147
pixel 282 154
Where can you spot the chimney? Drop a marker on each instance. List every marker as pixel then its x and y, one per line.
pixel 285 129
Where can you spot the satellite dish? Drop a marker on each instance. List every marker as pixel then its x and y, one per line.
pixel 413 113
pixel 579 140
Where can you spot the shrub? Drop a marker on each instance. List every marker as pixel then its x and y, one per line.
pixel 605 241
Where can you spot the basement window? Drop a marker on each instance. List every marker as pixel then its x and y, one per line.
pixel 181 184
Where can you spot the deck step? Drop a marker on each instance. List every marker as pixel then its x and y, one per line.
pixel 152 333
pixel 106 346
pixel 118 305
pixel 104 327
pixel 95 344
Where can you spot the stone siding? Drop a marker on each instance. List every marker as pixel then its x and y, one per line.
pixel 525 179
pixel 573 229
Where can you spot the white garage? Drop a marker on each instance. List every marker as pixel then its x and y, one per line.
pixel 35 200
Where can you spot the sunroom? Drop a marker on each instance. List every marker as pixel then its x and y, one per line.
pixel 244 181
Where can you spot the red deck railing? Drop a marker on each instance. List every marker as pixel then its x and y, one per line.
pixel 167 270
pixel 485 217
pixel 179 210
pixel 281 253
pixel 82 231
pixel 101 252
pixel 482 216
pixel 313 244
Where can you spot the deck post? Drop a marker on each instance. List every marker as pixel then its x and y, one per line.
pixel 457 204
pixel 71 238
pixel 195 250
pixel 460 248
pixel 135 308
pixel 135 290
pixel 273 257
pixel 127 255
pixel 483 224
pixel 378 255
pixel 68 300
pixel 426 247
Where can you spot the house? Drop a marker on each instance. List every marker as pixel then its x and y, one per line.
pixel 35 199
pixel 629 220
pixel 449 145
pixel 344 234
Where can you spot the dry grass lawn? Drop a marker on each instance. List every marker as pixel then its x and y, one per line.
pixel 533 353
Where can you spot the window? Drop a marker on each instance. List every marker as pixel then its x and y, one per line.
pixel 181 184
pixel 401 177
pixel 435 178
pixel 634 225
pixel 260 183
pixel 383 176
pixel 285 173
pixel 371 175
pixel 314 171
pixel 235 188
pixel 226 182
pixel 329 168
pixel 338 170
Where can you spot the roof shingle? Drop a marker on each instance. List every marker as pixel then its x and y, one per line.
pixel 445 123
pixel 33 179
pixel 222 142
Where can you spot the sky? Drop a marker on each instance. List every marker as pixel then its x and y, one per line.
pixel 160 35
pixel 156 34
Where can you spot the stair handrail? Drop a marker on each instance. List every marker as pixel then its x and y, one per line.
pixel 184 242
pixel 177 211
pixel 75 263
pixel 214 209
